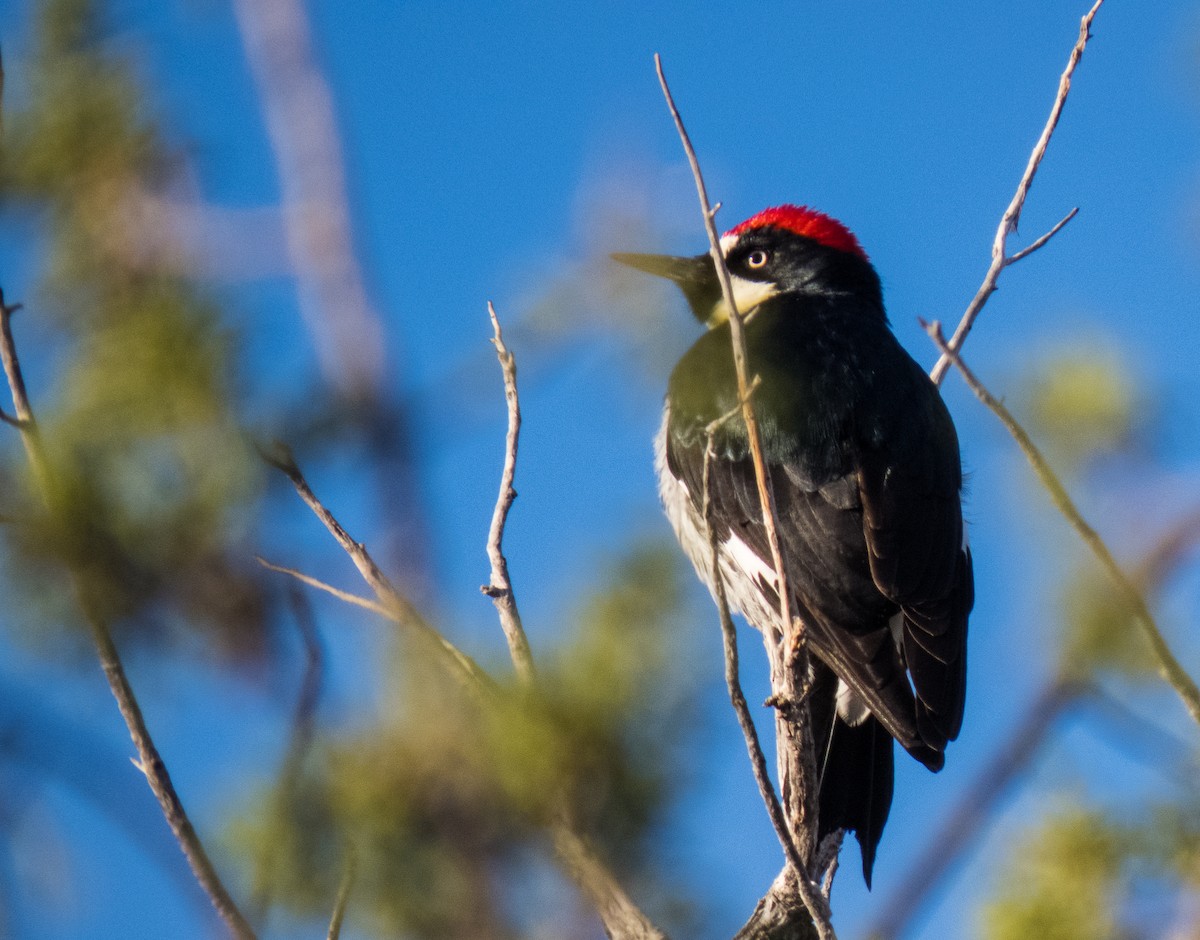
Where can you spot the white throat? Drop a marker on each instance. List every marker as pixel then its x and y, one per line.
pixel 747 295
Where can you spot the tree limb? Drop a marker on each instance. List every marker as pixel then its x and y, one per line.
pixel 500 589
pixel 622 919
pixel 149 761
pixel 1168 666
pixel 1012 215
pixel 787 652
pixel 400 609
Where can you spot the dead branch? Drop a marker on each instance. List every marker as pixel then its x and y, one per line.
pixel 622 919
pixel 500 588
pixel 788 652
pixel 149 761
pixel 400 609
pixel 298 105
pixel 1012 215
pixel 1169 667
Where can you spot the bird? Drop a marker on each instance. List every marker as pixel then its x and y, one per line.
pixel 867 481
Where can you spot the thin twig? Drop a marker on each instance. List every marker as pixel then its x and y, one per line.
pixel 762 474
pixel 792 662
pixel 1168 666
pixel 1038 243
pixel 350 598
pixel 1012 215
pixel 149 761
pixel 402 609
pixel 298 107
pixel 618 913
pixel 500 588
pixel 300 739
pixel 758 762
pixel 620 916
pixel 343 895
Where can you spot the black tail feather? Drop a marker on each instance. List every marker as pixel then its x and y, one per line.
pixel 856 785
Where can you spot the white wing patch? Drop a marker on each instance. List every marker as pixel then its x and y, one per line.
pixel 850 706
pixel 740 566
pixel 748 560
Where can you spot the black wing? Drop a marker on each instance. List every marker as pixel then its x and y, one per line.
pixel 881 539
pixel 912 512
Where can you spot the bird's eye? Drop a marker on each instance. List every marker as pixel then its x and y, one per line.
pixel 757 259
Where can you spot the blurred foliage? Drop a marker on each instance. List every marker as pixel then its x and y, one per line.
pixel 1086 874
pixel 151 485
pixel 1062 882
pixel 1082 401
pixel 442 798
pixel 1100 632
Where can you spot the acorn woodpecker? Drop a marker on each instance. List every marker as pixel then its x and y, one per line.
pixel 866 474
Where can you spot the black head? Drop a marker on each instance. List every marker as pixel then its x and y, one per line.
pixel 785 249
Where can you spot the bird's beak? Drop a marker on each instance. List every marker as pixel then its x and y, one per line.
pixel 696 277
pixel 680 270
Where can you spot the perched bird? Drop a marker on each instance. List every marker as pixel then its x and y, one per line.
pixel 866 474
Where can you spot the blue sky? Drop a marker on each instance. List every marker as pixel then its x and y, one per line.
pixel 493 149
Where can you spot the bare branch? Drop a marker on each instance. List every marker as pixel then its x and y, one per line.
pixel 349 598
pixel 1168 666
pixel 500 588
pixel 299 110
pixel 1008 222
pixel 1030 249
pixel 788 652
pixel 402 610
pixel 620 916
pixel 343 895
pixel 758 761
pixel 149 762
pixel 737 332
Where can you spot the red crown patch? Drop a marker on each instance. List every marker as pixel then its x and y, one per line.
pixel 801 220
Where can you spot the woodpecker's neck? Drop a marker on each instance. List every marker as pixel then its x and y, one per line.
pixel 814 356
